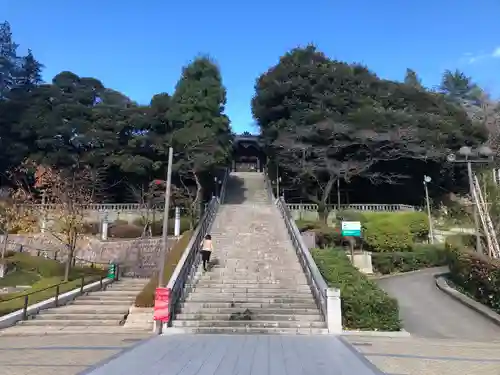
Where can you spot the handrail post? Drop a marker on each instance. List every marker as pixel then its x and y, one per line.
pixel 82 281
pixel 333 311
pixel 56 299
pixel 25 307
pixel 100 282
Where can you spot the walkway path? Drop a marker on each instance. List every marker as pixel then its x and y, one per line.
pixel 419 356
pixel 68 354
pixel 428 312
pixel 240 355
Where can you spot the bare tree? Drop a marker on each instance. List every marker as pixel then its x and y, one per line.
pixel 321 154
pixel 69 192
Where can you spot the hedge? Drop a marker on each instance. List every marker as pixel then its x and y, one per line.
pixel 364 305
pixel 421 256
pixel 157 225
pixel 394 231
pixel 146 298
pixel 475 274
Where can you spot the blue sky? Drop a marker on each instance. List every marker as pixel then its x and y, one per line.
pixel 139 47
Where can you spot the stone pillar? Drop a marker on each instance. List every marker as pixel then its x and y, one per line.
pixel 43 225
pixel 177 222
pixel 104 228
pixel 334 311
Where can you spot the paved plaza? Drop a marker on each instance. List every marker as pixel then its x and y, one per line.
pixel 68 354
pixel 420 356
pixel 240 355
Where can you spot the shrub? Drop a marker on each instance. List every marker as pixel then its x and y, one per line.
pixel 157 226
pixel 146 298
pixel 422 256
pixel 461 241
pixel 386 235
pixel 92 228
pixel 125 231
pixel 349 215
pixel 476 275
pixel 364 305
pixel 305 225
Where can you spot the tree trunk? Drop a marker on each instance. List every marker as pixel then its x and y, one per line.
pixel 71 245
pixel 4 245
pixel 323 212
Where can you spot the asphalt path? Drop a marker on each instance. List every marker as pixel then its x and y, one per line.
pixel 428 312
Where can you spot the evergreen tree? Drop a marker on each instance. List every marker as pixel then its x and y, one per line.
pixel 8 60
pixel 412 79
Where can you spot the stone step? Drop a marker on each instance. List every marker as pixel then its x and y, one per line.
pixel 255 330
pixel 87 309
pixel 274 287
pixel 257 315
pixel 88 302
pixel 124 289
pixel 53 323
pixel 244 298
pixel 249 297
pixel 70 316
pixel 114 293
pixel 188 309
pixel 246 323
pixel 248 305
pixel 125 300
pixel 231 279
pixel 201 288
pixel 231 294
pixel 271 284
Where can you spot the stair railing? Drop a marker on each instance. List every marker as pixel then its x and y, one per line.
pixel 184 274
pixel 314 277
pixel 269 187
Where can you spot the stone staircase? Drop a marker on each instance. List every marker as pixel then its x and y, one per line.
pixel 108 308
pixel 256 284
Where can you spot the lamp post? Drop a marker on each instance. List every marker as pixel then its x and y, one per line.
pixel 467 155
pixel 427 179
pixel 163 253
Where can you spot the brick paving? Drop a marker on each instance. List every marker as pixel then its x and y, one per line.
pixel 418 356
pixel 60 354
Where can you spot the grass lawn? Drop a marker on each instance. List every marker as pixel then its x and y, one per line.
pixel 19 277
pixel 43 275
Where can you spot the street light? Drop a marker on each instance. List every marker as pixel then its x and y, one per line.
pixel 467 155
pixel 427 179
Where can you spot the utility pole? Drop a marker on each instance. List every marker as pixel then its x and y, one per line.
pixel 427 179
pixel 163 251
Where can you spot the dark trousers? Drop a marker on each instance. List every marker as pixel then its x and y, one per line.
pixel 205 256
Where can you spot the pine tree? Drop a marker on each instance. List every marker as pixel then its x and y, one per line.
pixel 412 79
pixel 30 72
pixel 9 62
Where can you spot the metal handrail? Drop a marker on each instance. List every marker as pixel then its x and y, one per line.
pixel 313 275
pixel 222 194
pixel 185 271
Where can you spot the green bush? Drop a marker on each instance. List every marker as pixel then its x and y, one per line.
pixel 92 228
pixel 461 241
pixel 364 305
pixel 146 298
pixel 394 231
pixel 306 225
pixel 475 274
pixel 125 231
pixel 349 215
pixel 157 226
pixel 422 256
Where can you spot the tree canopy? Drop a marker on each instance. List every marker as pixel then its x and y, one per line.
pixel 325 121
pixel 73 123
